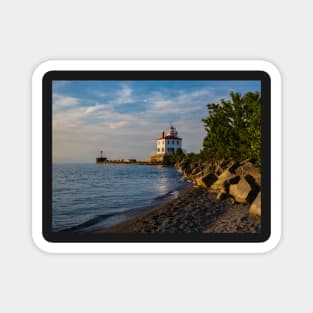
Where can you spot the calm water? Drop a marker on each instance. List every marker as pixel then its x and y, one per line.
pixel 89 196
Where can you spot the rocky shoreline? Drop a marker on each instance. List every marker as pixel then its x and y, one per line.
pixel 225 198
pixel 239 180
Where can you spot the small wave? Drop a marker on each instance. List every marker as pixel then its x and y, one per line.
pixel 172 194
pixel 91 222
pixel 175 194
pixel 167 195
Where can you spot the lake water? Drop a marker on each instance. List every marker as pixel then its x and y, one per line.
pixel 88 197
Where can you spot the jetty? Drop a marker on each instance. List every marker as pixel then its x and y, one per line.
pixel 126 161
pixel 104 160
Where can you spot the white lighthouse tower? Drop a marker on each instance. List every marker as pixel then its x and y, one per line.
pixel 169 142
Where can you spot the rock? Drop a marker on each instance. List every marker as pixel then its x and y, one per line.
pixel 255 208
pixel 224 180
pixel 207 180
pixel 240 191
pixel 221 182
pixel 231 200
pixel 221 195
pixel 198 175
pixel 220 166
pixel 247 168
pixel 192 166
pixel 197 170
pixel 255 188
pixel 225 174
pixel 245 191
pixel 225 171
pixel 184 164
pixel 233 167
pixel 251 160
pixel 234 179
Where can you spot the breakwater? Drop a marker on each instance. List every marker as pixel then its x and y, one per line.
pixel 105 161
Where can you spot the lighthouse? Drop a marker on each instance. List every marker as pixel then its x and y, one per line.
pixel 169 142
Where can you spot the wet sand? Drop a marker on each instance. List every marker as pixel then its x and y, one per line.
pixel 195 210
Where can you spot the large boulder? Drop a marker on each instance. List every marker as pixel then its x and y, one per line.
pixel 240 191
pixel 225 174
pixel 220 166
pixel 221 195
pixel 206 180
pixel 255 208
pixel 224 180
pixel 245 191
pixel 232 166
pixel 183 165
pixel 247 168
pixel 193 166
pixel 198 169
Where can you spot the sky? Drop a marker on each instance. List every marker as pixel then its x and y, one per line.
pixel 124 118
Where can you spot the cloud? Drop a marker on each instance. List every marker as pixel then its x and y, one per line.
pixel 118 124
pixel 162 104
pixel 60 101
pixel 124 96
pixel 179 106
pixel 94 108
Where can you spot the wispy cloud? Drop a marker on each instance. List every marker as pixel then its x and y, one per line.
pixel 118 124
pixel 60 101
pixel 124 95
pixel 95 108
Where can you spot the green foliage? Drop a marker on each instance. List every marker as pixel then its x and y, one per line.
pixel 179 155
pixel 176 157
pixel 234 128
pixel 193 156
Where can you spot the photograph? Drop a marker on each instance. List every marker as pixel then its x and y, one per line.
pixel 156 157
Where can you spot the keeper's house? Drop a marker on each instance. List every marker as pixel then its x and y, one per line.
pixel 167 145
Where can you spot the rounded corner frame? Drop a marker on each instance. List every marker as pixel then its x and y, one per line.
pixel 274 237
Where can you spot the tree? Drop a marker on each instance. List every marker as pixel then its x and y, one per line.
pixel 174 158
pixel 233 128
pixel 179 154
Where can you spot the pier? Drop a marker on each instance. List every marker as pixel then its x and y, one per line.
pixel 126 161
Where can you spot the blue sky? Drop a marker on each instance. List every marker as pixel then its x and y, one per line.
pixel 124 118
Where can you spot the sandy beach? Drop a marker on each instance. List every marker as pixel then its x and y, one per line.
pixel 195 210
